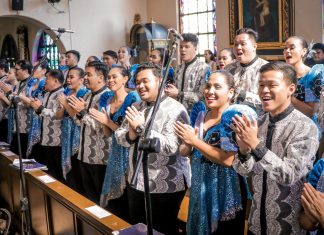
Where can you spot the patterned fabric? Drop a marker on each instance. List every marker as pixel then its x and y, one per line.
pixel 190 80
pixel 23 118
pixel 316 179
pixel 168 171
pixel 117 164
pixel 131 82
pixel 70 137
pixel 50 127
pixel 34 135
pixel 247 80
pixel 310 85
pixel 215 189
pixel 11 116
pixel 196 109
pixel 93 143
pixel 309 89
pixel 284 168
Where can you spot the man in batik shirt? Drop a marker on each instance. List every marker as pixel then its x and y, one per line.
pixel 190 75
pixel 168 171
pixel 278 151
pixel 246 68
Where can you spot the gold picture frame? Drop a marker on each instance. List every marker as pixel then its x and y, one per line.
pixel 273 20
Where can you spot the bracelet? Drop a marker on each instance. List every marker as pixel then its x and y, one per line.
pixel 39 110
pixel 82 113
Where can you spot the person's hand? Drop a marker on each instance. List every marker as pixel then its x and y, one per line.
pixel 35 104
pixel 6 88
pixel 77 104
pixel 171 90
pixel 246 131
pixel 62 99
pixel 134 117
pixel 244 148
pixel 313 201
pixel 186 133
pixel 101 117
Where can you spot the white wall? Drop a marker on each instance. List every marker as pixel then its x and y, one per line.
pixel 99 24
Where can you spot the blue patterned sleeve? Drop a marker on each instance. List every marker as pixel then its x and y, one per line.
pixel 316 173
pixel 131 82
pixel 314 84
pixel 196 109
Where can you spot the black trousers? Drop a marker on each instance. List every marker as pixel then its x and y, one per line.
pixel 236 225
pixel 3 130
pixel 92 177
pixel 73 177
pixel 51 157
pixel 119 206
pixel 23 141
pixel 165 209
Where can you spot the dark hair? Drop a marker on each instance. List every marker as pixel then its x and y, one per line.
pixel 164 53
pixel 252 34
pixel 212 56
pixel 100 68
pixel 156 69
pixel 229 79
pixel 230 50
pixel 75 53
pixel 287 70
pixel 43 65
pixel 57 74
pixel 80 71
pixel 123 71
pixel 112 54
pixel 5 66
pixel 190 37
pixel 318 46
pixel 303 42
pixel 95 58
pixel 25 65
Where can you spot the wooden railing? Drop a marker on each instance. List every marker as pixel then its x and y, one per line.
pixel 54 207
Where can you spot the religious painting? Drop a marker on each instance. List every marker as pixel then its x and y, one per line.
pixel 272 20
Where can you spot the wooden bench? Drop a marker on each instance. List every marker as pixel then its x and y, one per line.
pixel 54 207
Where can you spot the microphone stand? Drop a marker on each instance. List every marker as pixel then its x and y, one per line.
pixel 151 145
pixel 24 202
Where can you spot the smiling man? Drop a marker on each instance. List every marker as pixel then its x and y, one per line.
pixel 190 75
pixel 168 170
pixel 48 150
pixel 246 68
pixel 277 151
pixel 93 148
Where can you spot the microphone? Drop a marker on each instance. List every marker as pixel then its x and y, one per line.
pixel 175 33
pixel 60 30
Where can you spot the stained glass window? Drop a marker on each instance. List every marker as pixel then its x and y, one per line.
pixel 199 17
pixel 53 55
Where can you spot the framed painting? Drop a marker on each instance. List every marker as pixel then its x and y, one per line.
pixel 272 20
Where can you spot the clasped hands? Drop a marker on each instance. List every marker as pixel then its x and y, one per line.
pixel 78 104
pixel 186 133
pixel 246 133
pixel 313 203
pixel 134 117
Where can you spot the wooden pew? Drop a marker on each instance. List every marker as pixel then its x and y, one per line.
pixel 54 207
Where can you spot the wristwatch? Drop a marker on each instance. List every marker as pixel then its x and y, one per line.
pixel 140 130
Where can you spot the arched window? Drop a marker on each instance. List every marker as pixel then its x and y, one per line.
pixel 53 55
pixel 199 17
